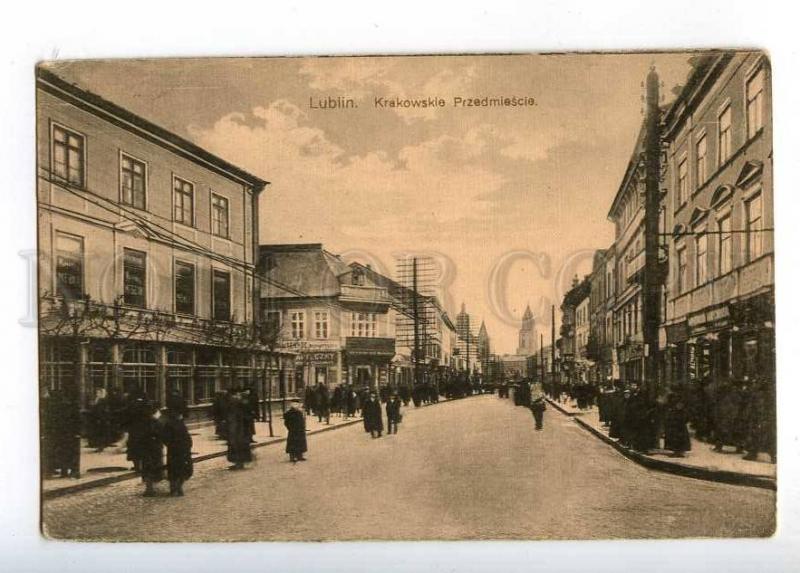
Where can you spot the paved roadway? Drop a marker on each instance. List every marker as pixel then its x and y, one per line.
pixel 473 468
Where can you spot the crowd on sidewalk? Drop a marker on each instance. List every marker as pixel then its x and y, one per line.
pixel 722 414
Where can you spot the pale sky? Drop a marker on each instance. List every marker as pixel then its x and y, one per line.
pixel 512 201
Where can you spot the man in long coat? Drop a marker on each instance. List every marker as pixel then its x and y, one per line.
pixel 373 417
pixel 176 437
pixel 393 415
pixel 238 432
pixel 150 451
pixel 296 443
pixel 138 422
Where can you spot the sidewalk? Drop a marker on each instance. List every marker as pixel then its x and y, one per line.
pixel 111 466
pixel 701 462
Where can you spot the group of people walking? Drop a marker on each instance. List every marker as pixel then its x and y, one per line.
pixel 150 430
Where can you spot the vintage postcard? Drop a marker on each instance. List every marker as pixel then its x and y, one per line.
pixel 467 297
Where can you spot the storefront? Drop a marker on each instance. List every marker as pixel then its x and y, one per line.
pixel 369 361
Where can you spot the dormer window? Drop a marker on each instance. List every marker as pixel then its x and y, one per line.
pixel 358 277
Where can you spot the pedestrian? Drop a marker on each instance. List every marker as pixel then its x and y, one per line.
pixel 138 418
pixel 64 433
pixel 676 430
pixel 238 430
pixel 373 417
pixel 296 443
pixel 150 450
pixel 322 401
pixel 393 414
pixel 175 436
pixel 537 408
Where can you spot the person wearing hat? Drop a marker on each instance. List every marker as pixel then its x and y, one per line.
pixel 393 415
pixel 295 422
pixel 238 432
pixel 373 417
pixel 175 436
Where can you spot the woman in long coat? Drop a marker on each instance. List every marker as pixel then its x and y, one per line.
pixel 176 437
pixel 295 422
pixel 373 417
pixel 238 433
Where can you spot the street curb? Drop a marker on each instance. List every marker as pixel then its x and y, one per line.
pixel 56 493
pixel 131 474
pixel 721 476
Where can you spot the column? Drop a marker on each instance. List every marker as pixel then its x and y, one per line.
pixel 83 359
pixel 116 360
pixel 161 374
pixel 193 378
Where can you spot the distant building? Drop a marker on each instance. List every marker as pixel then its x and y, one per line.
pixel 335 317
pixel 484 343
pixel 467 342
pixel 527 334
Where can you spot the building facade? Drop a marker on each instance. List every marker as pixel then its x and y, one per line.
pixel 147 256
pixel 334 316
pixel 719 319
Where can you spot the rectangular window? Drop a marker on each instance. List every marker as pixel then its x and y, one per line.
pixel 683 182
pixel 69 266
pixel 724 143
pixel 755 225
pixel 755 103
pixel 725 245
pixel 134 278
pixel 682 270
pixel 221 296
pixel 132 181
pixel 298 319
pixel 184 288
pixel 364 324
pixel 701 150
pixel 219 216
pixel 701 259
pixel 184 201
pixel 69 156
pixel 321 324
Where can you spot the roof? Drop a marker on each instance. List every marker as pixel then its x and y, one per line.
pixel 300 270
pixel 117 115
pixel 577 293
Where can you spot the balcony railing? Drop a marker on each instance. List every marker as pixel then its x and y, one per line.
pixel 364 294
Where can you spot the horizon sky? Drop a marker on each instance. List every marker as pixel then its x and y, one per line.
pixel 512 201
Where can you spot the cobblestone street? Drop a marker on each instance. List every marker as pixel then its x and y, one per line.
pixel 472 468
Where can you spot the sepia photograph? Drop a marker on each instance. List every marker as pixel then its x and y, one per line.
pixel 406 298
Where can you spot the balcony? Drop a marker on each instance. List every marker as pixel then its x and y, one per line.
pixel 370 295
pixel 367 346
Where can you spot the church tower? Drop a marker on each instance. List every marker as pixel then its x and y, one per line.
pixel 527 334
pixel 484 343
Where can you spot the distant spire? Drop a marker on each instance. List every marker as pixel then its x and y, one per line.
pixel 463 307
pixel 528 314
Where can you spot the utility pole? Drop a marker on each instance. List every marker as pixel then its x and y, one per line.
pixel 415 312
pixel 541 355
pixel 651 280
pixel 552 343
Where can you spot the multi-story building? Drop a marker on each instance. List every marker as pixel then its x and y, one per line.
pixel 334 316
pixel 437 333
pixel 627 214
pixel 719 207
pixel 147 247
pixel 573 363
pixel 600 349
